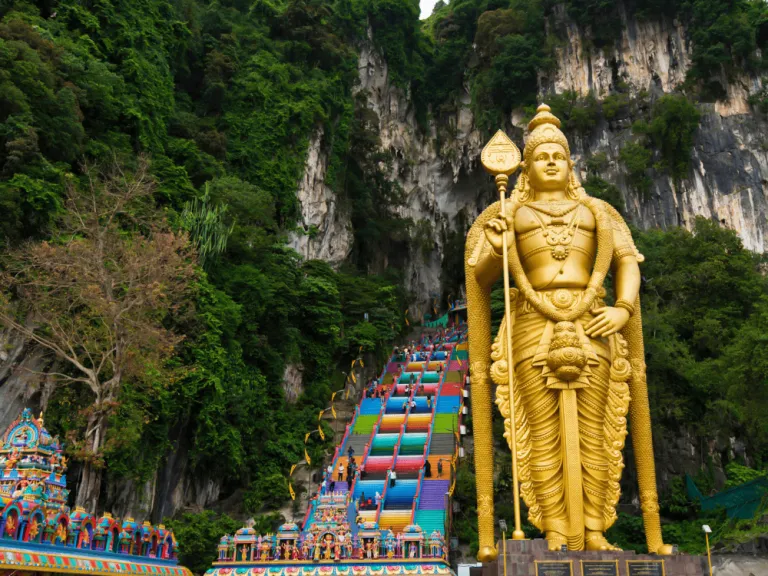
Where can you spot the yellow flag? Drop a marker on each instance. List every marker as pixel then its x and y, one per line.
pixel 346 396
pixel 333 411
pixel 354 378
pixel 334 396
pixel 322 434
pixel 406 318
pixel 362 365
pixel 360 349
pixel 290 489
pixel 292 469
pixel 321 414
pixel 306 437
pixel 307 458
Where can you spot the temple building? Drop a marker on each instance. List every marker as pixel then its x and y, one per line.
pixel 40 534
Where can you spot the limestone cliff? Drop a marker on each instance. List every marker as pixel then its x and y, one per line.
pixel 439 170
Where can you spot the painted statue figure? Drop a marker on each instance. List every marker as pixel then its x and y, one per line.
pixel 577 360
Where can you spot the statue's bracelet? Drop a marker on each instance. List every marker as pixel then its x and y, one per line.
pixel 621 303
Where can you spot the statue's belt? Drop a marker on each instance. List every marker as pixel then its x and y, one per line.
pixel 561 298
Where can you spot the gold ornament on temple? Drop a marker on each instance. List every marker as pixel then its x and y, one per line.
pixel 567 367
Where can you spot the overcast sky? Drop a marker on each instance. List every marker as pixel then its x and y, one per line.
pixel 426 7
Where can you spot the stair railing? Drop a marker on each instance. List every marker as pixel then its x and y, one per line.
pixel 310 510
pixel 380 503
pixel 417 496
pixel 399 440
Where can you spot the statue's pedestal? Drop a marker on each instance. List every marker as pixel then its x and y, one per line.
pixel 525 557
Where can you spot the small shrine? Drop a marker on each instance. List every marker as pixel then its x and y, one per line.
pixel 34 514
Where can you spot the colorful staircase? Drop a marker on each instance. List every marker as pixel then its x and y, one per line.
pixel 417 420
pixel 413 431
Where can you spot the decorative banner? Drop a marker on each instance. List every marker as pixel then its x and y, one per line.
pixel 292 469
pixel 306 437
pixel 354 378
pixel 290 490
pixel 334 395
pixel 319 416
pixel 406 318
pixel 333 411
pixel 322 434
pixel 307 458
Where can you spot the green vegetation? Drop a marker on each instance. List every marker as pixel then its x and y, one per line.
pixel 578 115
pixel 673 122
pixel 223 98
pixel 200 534
pixel 599 188
pixel 637 160
pixel 665 133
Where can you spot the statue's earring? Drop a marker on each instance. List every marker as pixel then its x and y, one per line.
pixel 523 187
pixel 574 186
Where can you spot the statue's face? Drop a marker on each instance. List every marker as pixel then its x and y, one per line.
pixel 548 169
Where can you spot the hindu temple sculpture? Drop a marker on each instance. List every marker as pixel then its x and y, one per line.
pixel 577 361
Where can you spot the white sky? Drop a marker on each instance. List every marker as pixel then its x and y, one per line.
pixel 426 7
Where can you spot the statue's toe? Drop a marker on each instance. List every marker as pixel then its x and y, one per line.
pixel 596 542
pixel 555 541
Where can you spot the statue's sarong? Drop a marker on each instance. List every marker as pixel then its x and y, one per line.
pixel 553 462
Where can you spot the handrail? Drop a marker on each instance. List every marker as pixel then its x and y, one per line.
pixel 380 504
pixel 417 496
pixel 310 508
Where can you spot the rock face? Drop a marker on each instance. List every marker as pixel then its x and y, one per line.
pixel 440 173
pixel 648 54
pixel 22 380
pixel 440 177
pixel 293 381
pixel 326 233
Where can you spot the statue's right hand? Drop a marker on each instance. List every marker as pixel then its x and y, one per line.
pixel 494 231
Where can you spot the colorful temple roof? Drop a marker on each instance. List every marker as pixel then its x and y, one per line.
pixel 39 532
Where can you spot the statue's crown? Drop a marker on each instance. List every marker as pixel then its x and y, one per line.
pixel 544 128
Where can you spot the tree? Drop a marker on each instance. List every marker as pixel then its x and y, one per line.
pixel 96 296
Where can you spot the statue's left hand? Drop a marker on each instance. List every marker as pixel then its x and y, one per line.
pixel 609 320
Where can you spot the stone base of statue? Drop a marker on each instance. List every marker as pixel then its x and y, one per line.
pixel 531 558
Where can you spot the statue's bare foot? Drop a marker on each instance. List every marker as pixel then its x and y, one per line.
pixel 596 542
pixel 555 541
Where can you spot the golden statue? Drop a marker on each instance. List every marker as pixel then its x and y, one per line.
pixel 576 361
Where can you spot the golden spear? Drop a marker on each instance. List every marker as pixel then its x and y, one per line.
pixel 501 158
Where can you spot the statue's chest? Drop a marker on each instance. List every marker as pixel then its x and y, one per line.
pixel 555 231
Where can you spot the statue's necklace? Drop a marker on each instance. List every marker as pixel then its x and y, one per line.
pixel 557 233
